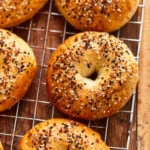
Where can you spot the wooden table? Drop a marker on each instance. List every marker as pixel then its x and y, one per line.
pixel 144 86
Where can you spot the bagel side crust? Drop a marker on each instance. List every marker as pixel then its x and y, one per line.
pixel 1 146
pixel 71 86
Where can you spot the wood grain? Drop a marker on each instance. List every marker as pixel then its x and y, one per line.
pixel 144 86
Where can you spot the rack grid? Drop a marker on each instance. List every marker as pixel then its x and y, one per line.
pixel 44 32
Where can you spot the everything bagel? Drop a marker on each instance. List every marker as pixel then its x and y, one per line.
pixel 62 134
pixel 91 75
pixel 99 15
pixel 17 68
pixel 14 12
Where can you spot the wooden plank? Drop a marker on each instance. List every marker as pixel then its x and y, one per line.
pixel 144 86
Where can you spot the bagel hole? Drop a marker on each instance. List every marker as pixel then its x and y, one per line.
pixel 93 76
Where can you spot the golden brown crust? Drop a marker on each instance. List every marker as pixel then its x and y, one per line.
pixel 100 15
pixel 62 134
pixel 70 84
pixel 17 69
pixel 1 146
pixel 15 12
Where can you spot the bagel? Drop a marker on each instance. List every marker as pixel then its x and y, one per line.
pixel 100 15
pixel 17 68
pixel 56 134
pixel 91 75
pixel 1 146
pixel 14 12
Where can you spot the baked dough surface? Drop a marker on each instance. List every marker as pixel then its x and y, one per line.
pixel 97 15
pixel 17 68
pixel 62 134
pixel 14 12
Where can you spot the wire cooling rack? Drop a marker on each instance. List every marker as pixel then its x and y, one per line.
pixel 44 33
